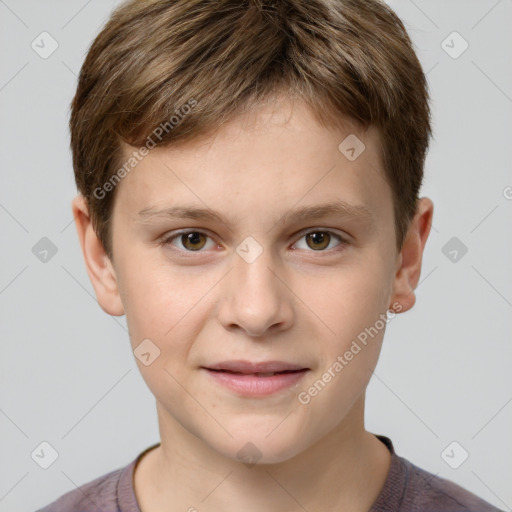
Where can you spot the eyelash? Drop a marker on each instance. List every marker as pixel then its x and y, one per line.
pixel 167 239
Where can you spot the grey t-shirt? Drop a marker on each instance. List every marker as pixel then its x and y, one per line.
pixel 408 488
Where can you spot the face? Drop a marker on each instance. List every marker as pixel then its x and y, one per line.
pixel 263 243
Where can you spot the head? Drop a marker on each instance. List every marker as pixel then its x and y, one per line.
pixel 259 114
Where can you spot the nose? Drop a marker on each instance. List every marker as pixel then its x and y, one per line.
pixel 255 298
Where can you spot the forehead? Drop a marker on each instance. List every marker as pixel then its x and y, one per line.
pixel 268 159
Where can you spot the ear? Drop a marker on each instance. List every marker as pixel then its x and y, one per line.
pixel 409 264
pixel 98 265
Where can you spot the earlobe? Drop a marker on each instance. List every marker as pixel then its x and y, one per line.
pixel 410 258
pixel 99 268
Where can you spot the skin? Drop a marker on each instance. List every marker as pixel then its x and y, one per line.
pixel 298 302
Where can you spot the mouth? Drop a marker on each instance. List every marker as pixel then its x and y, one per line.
pixel 258 374
pixel 256 379
pixel 248 367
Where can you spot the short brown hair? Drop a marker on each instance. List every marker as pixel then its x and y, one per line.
pixel 349 58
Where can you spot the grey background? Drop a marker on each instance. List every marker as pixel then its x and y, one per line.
pixel 67 375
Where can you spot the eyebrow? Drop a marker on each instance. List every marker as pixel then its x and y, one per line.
pixel 331 209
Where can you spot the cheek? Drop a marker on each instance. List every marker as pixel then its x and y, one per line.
pixel 164 307
pixel 353 307
pixel 357 315
pixel 160 299
pixel 346 300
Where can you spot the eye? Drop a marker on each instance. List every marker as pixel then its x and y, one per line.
pixel 320 240
pixel 190 241
pixel 194 241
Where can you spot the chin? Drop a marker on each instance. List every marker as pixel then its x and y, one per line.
pixel 255 447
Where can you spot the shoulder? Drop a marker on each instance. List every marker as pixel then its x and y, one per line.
pixel 426 492
pixel 98 494
pixel 111 492
pixel 409 488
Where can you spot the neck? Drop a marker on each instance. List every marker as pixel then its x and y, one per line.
pixel 345 470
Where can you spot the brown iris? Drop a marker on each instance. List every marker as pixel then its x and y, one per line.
pixel 320 239
pixel 193 241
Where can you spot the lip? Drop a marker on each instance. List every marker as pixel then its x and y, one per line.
pixel 248 379
pixel 248 367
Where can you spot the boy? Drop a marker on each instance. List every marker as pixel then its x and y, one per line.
pixel 249 175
